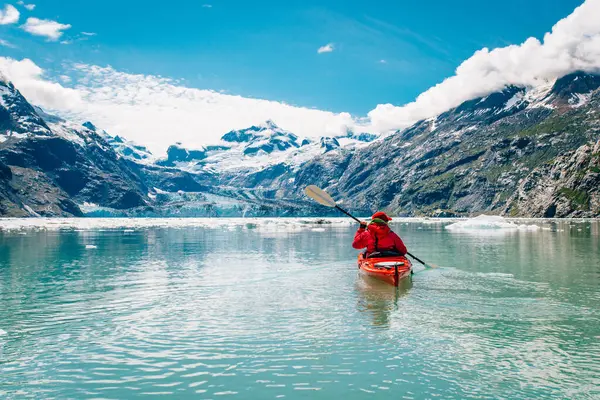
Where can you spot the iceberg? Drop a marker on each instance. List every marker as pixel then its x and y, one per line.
pixel 489 223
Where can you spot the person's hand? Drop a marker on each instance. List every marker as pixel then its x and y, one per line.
pixel 363 225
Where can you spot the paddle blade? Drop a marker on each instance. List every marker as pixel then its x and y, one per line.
pixel 319 195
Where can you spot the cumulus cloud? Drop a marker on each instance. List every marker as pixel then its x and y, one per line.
pixel 10 15
pixel 328 48
pixel 573 44
pixel 30 7
pixel 44 27
pixel 28 77
pixel 158 112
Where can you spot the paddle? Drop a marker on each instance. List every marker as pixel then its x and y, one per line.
pixel 323 198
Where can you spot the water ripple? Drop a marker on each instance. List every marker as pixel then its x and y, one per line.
pixel 146 314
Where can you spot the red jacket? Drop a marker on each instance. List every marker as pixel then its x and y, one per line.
pixel 386 239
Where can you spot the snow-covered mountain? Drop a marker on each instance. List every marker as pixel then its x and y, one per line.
pixel 50 166
pixel 519 151
pixel 123 147
pixel 258 147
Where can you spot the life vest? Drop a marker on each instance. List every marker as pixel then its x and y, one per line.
pixel 381 234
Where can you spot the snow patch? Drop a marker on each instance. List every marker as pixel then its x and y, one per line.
pixel 579 99
pixel 539 96
pixel 30 211
pixel 515 100
pixel 4 92
pixel 432 124
pixel 159 191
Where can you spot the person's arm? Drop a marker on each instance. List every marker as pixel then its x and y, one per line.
pixel 399 244
pixel 361 237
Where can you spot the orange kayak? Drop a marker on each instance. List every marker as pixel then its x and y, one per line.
pixel 388 269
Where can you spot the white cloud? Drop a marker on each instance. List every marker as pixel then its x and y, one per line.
pixel 158 112
pixel 382 61
pixel 10 15
pixel 207 5
pixel 30 7
pixel 328 48
pixel 573 44
pixel 43 27
pixel 88 33
pixel 28 78
pixel 6 43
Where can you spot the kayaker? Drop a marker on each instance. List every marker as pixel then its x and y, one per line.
pixel 378 237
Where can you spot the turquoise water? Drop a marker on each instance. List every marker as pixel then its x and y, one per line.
pixel 247 312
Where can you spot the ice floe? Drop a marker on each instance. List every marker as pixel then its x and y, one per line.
pixel 489 222
pixel 130 224
pixel 481 223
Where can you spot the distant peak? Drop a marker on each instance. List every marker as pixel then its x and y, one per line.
pixel 269 124
pixel 577 82
pixel 329 143
pixel 90 126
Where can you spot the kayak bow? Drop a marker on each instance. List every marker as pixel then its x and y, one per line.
pixel 389 269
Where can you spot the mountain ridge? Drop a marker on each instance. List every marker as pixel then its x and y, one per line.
pixel 490 154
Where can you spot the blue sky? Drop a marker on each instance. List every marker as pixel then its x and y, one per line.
pixel 383 51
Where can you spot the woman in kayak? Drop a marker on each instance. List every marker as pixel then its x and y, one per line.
pixel 378 237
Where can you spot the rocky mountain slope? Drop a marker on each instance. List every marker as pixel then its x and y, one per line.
pixel 50 165
pixel 493 154
pixel 518 152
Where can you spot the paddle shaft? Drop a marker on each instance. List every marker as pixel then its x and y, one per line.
pixel 357 220
pixel 421 261
pixel 348 214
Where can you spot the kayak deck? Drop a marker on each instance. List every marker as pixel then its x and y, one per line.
pixel 388 269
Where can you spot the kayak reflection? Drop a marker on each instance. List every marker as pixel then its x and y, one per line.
pixel 380 300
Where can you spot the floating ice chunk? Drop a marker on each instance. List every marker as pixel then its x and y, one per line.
pixel 83 224
pixel 489 222
pixel 90 246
